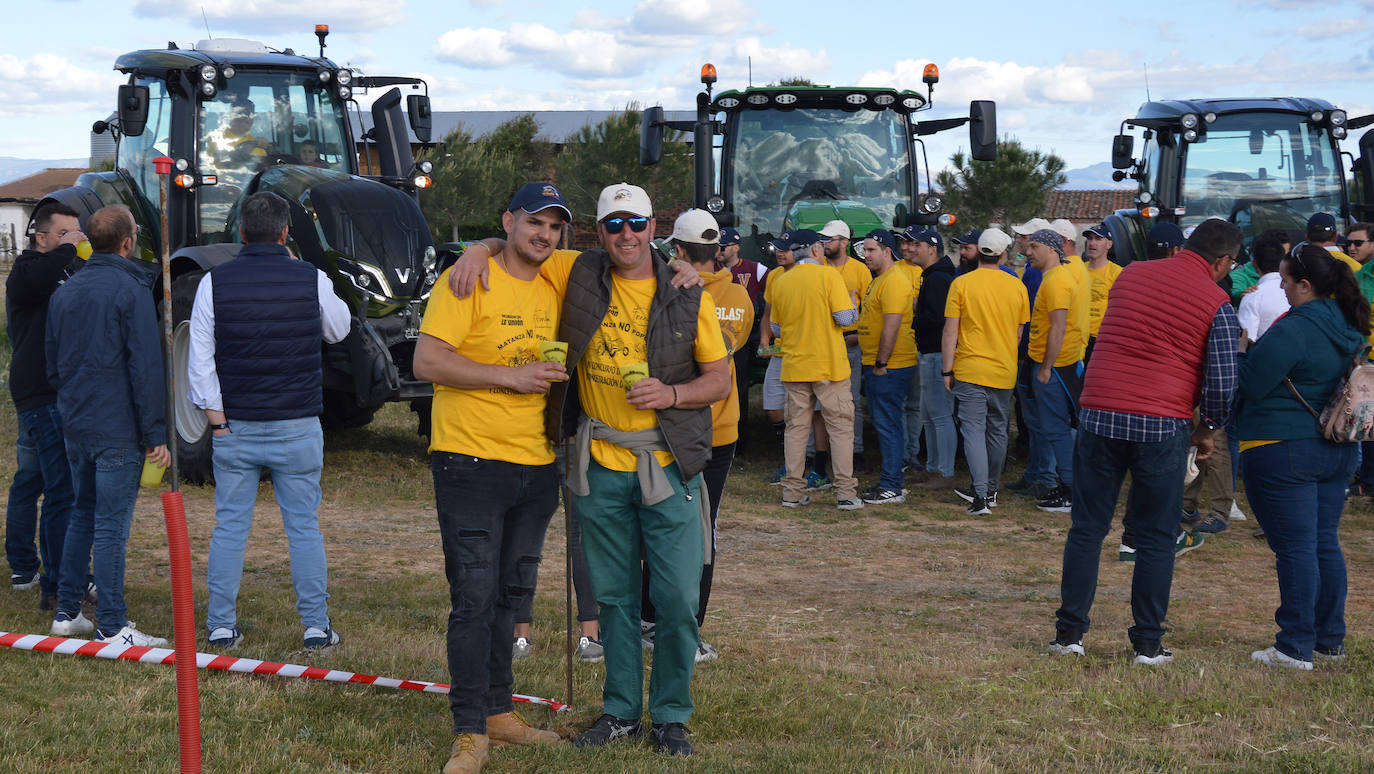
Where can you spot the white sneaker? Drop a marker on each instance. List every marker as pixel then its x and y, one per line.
pixel 130 635
pixel 64 625
pixel 1161 656
pixel 705 652
pixel 1272 656
pixel 521 648
pixel 1236 513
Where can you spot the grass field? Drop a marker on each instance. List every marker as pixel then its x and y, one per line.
pixel 902 638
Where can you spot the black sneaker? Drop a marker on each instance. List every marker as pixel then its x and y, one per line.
pixel 878 496
pixel 967 495
pixel 1213 524
pixel 671 738
pixel 978 507
pixel 1059 500
pixel 607 729
pixel 23 581
pixel 1152 654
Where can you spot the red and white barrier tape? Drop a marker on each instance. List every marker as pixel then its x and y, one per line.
pixel 69 646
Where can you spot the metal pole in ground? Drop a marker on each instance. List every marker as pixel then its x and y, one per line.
pixel 568 571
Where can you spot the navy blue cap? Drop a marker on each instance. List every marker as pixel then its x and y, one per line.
pixel 883 237
pixel 729 236
pixel 1322 223
pixel 1099 230
pixel 929 236
pixel 801 237
pixel 904 234
pixel 1165 235
pixel 971 238
pixel 537 197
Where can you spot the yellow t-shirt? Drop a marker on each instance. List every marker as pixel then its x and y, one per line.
pixel 1080 315
pixel 621 341
pixel 1346 259
pixel 913 275
pixel 812 345
pixel 500 326
pixel 857 278
pixel 889 293
pixel 991 306
pixel 1058 290
pixel 1102 281
pixel 735 313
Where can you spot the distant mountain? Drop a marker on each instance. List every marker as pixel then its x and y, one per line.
pixel 1094 178
pixel 13 168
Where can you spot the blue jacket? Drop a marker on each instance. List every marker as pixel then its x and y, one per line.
pixel 105 356
pixel 1312 345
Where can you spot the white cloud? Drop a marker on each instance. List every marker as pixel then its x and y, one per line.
pixel 578 52
pixel 45 84
pixel 690 17
pixel 255 17
pixel 483 48
pixel 735 61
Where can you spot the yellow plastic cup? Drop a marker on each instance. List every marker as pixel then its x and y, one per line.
pixel 83 249
pixel 553 352
pixel 631 373
pixel 152 474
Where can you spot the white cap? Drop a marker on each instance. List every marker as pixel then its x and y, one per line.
pixel 993 242
pixel 1064 228
pixel 697 227
pixel 623 197
pixel 1029 227
pixel 836 228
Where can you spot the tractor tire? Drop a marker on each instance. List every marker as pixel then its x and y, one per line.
pixel 194 450
pixel 341 411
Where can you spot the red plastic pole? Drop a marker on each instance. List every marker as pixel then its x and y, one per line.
pixel 174 512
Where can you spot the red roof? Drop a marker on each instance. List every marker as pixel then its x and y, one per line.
pixel 1086 206
pixel 40 184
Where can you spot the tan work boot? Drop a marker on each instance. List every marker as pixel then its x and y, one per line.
pixel 510 728
pixel 469 754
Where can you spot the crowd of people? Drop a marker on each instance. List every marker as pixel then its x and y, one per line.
pixel 617 382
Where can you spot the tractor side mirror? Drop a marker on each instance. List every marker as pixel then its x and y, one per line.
pixel 651 136
pixel 133 109
pixel 982 129
pixel 421 119
pixel 1122 146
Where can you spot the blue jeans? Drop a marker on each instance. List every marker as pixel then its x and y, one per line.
pixel 292 450
pixel 886 396
pixel 984 417
pixel 1100 465
pixel 1057 409
pixel 1040 462
pixel 41 469
pixel 911 420
pixel 105 484
pixel 937 416
pixel 492 520
pixel 1297 491
pixel 856 368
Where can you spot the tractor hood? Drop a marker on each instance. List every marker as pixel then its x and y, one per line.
pixel 815 213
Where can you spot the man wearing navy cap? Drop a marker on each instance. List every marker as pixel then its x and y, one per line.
pixel 1321 231
pixel 889 358
pixel 1102 274
pixel 1163 240
pixel 809 307
pixel 968 250
pixel 937 408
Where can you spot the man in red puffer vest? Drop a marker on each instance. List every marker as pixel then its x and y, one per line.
pixel 1167 344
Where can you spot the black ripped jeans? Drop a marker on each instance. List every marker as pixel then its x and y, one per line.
pixel 492 520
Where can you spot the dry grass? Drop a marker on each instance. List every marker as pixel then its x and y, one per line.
pixel 903 638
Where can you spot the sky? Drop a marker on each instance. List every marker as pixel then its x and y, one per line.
pixel 1063 81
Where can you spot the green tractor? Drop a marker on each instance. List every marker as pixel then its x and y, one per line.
pixel 1259 163
pixel 785 157
pixel 238 117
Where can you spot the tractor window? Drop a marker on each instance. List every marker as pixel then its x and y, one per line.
pixel 260 120
pixel 136 154
pixel 1261 171
pixel 855 159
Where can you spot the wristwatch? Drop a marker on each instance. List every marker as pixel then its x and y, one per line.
pixel 221 426
pixel 880 364
pixel 946 373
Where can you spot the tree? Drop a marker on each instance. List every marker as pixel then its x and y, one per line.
pixel 795 80
pixel 1010 190
pixel 474 178
pixel 608 153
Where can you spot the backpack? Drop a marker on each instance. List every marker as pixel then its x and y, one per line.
pixel 1349 414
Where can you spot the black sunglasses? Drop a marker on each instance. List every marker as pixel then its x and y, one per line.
pixel 616 225
pixel 1356 242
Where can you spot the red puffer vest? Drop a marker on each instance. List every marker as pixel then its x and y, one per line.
pixel 1152 348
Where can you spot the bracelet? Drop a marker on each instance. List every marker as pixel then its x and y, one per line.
pixel 946 373
pixel 674 386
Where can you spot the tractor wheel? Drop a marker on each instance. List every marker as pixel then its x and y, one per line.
pixel 192 428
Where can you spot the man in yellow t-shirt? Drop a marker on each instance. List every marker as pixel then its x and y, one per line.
pixel 1321 231
pixel 1055 353
pixel 984 313
pixel 888 345
pixel 1102 272
pixel 1080 317
pixel 835 240
pixel 694 239
pixel 493 465
pixel 809 306
pixel 909 261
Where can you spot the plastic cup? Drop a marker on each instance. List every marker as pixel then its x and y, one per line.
pixel 631 373
pixel 83 249
pixel 152 474
pixel 553 352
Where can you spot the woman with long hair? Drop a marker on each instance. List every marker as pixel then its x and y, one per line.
pixel 1294 477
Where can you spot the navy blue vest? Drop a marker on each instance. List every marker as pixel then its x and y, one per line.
pixel 268 335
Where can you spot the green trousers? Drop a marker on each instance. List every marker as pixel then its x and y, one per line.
pixel 615 525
